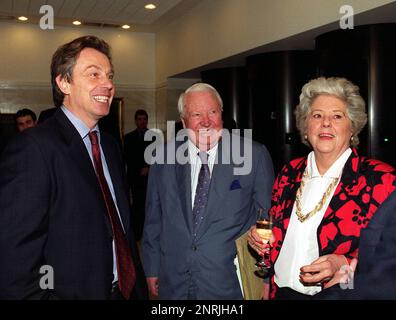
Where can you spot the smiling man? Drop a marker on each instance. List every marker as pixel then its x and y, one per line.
pixel 65 214
pixel 195 211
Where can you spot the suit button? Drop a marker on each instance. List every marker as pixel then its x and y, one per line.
pixel 194 248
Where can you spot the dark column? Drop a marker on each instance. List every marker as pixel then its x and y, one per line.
pixel 366 56
pixel 275 80
pixel 231 85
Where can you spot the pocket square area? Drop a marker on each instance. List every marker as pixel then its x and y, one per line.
pixel 235 185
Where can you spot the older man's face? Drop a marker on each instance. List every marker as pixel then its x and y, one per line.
pixel 202 114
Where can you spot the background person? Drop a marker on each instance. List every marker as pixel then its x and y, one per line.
pixel 137 169
pixel 321 203
pixel 25 118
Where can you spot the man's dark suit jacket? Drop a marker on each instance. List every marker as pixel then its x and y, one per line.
pixel 53 213
pixel 375 277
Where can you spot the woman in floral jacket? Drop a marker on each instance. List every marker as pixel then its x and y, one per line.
pixel 320 203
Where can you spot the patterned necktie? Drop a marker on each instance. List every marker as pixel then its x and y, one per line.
pixel 125 267
pixel 201 193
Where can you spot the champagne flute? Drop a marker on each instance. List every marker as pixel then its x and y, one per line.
pixel 264 230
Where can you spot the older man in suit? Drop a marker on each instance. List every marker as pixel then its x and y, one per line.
pixel 195 209
pixel 65 216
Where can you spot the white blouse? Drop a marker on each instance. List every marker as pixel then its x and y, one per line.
pixel 300 246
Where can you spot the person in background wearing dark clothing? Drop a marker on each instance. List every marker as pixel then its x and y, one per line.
pixel 45 114
pixel 65 213
pixel 137 169
pixel 25 118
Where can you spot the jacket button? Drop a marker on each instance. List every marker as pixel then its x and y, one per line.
pixel 194 248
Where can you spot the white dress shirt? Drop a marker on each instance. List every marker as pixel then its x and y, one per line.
pixel 300 246
pixel 195 162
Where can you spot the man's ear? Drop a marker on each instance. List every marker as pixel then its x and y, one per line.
pixel 63 84
pixel 184 124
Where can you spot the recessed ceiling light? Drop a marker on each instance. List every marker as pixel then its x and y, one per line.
pixel 150 6
pixel 125 26
pixel 22 18
pixel 76 22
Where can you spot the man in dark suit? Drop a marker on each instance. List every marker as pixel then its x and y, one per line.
pixel 137 169
pixel 200 201
pixel 65 216
pixel 374 277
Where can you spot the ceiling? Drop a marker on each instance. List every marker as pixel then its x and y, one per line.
pixel 100 13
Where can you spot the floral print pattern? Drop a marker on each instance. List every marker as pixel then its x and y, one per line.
pixel 364 185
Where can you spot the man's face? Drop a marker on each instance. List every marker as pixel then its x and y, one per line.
pixel 141 122
pixel 25 122
pixel 202 114
pixel 91 90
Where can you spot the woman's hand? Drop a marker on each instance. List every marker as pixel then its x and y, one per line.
pixel 258 244
pixel 344 275
pixel 323 270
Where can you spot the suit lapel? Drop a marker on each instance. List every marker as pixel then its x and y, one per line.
pixel 80 158
pixel 183 180
pixel 117 181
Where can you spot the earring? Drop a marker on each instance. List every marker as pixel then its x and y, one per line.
pixel 305 137
pixel 352 139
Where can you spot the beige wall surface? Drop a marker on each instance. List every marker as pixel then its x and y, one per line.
pixel 25 56
pixel 216 29
pixel 26 51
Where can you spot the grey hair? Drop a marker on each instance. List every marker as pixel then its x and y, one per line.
pixel 340 88
pixel 197 87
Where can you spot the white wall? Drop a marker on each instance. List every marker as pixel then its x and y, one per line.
pixel 25 55
pixel 217 29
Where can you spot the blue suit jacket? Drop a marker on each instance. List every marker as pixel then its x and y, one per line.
pixel 53 213
pixel 169 251
pixel 375 277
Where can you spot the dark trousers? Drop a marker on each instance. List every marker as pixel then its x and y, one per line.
pixel 287 293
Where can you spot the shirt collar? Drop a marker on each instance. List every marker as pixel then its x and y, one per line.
pixel 193 152
pixel 334 171
pixel 80 126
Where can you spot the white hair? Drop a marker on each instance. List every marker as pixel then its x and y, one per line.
pixel 337 87
pixel 197 87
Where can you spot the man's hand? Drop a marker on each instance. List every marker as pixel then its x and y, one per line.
pixel 322 269
pixel 152 283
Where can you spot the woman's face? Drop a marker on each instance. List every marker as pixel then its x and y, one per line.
pixel 329 128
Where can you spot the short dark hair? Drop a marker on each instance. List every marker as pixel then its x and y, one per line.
pixel 141 112
pixel 65 58
pixel 26 112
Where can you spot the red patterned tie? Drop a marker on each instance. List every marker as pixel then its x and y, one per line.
pixel 125 267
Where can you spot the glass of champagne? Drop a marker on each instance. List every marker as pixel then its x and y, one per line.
pixel 264 229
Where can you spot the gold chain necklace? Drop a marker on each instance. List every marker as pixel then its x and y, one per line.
pixel 319 206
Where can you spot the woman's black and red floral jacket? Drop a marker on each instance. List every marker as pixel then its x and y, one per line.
pixel 364 185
